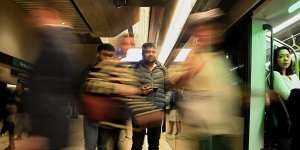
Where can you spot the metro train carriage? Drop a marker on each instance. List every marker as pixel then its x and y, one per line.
pixel 149 74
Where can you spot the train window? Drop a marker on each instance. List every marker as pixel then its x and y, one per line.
pixel 133 55
pixel 183 54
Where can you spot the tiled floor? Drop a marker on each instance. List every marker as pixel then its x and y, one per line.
pixel 167 142
pixel 77 139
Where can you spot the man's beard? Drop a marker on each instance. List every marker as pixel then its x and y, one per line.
pixel 150 61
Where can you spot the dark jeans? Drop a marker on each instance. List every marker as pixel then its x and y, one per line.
pixel 294 113
pixel 153 138
pixel 108 133
pixel 279 143
pixel 97 136
pixel 91 131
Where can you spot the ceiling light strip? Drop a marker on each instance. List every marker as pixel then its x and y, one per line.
pixel 286 23
pixel 183 54
pixel 181 13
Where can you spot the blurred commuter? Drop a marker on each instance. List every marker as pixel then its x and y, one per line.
pixel 152 77
pixel 55 81
pixel 124 43
pixel 8 115
pixel 107 88
pixel 95 135
pixel 174 116
pixel 22 119
pixel 3 96
pixel 210 104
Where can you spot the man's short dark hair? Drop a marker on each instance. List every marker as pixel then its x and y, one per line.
pixel 148 45
pixel 105 46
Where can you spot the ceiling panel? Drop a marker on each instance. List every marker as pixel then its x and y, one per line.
pixel 275 12
pixel 155 23
pixel 105 18
pixel 140 30
pixel 65 7
pixel 144 3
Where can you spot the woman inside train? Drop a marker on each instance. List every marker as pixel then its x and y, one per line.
pixel 287 85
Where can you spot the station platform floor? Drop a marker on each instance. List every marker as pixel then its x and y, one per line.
pixel 167 142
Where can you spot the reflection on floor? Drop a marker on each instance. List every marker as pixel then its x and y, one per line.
pixel 76 142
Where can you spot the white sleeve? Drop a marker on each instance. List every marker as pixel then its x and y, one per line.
pixel 279 85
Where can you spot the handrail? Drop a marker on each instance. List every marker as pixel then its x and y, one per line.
pixel 269 27
pixel 291 37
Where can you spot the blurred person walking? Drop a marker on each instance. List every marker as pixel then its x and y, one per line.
pixel 109 87
pixel 22 118
pixel 94 134
pixel 174 122
pixel 8 111
pixel 54 81
pixel 124 43
pixel 210 104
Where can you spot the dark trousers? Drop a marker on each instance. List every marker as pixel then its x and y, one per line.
pixel 153 137
pixel 8 126
pixel 107 133
pixel 294 113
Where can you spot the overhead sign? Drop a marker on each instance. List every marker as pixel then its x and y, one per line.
pixel 18 68
pixel 5 59
pixel 20 64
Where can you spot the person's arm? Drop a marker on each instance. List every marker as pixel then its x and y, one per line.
pixel 103 84
pixel 176 76
pixel 191 67
pixel 279 86
pixel 104 87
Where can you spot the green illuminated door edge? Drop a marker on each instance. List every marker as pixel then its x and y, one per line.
pixel 258 85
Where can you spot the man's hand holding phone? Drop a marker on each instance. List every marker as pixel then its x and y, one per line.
pixel 147 88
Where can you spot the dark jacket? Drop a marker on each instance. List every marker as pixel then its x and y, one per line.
pixel 157 79
pixel 4 96
pixel 54 82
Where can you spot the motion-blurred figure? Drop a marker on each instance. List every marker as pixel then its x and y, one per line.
pixel 105 101
pixel 174 123
pixel 210 104
pixel 8 110
pixel 124 43
pixel 54 81
pixel 22 119
pixel 93 132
